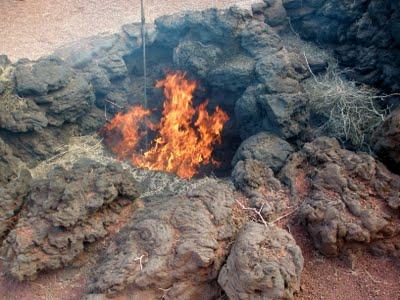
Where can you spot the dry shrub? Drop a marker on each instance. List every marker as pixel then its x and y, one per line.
pixel 349 111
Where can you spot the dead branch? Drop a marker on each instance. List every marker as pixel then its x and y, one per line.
pixel 256 211
pixel 140 261
pixel 114 104
pixel 372 278
pixel 285 216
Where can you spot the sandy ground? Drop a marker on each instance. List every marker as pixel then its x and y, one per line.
pixel 33 28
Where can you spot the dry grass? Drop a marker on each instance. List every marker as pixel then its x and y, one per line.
pixel 91 147
pixel 349 111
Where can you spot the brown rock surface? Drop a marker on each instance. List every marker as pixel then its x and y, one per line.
pixel 264 263
pixel 65 211
pixel 386 141
pixel 175 243
pixel 350 199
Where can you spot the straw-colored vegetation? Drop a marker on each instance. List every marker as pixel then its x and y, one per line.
pixel 91 147
pixel 348 110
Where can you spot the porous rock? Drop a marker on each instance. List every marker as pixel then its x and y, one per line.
pixel 20 114
pixel 264 263
pixel 9 164
pixel 386 141
pixel 233 52
pixel 39 78
pixel 349 199
pixel 263 191
pixel 234 74
pixel 364 35
pixel 69 103
pixel 176 243
pixel 64 211
pixel 196 57
pixel 266 148
pixel 12 197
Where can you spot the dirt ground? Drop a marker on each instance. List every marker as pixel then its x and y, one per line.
pixel 33 28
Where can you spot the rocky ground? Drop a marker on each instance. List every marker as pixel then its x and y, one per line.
pixel 301 216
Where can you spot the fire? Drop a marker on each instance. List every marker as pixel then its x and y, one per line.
pixel 185 134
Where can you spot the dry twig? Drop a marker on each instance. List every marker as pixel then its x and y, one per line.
pixel 256 211
pixel 260 216
pixel 140 261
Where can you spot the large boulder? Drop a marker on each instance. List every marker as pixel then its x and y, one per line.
pixel 275 102
pixel 266 148
pixel 65 211
pixel 264 263
pixel 115 66
pixel 205 26
pixel 348 199
pixel 176 243
pixel 386 141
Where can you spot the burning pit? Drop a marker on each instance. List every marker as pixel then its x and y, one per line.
pixel 184 137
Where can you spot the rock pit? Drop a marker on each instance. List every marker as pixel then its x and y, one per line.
pixel 151 235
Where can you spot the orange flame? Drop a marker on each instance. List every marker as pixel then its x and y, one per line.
pixel 181 145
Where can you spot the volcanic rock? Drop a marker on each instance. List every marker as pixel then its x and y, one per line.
pixel 99 79
pixel 115 66
pixel 20 114
pixel 173 242
pixel 12 197
pixel 34 147
pixel 233 75
pixel 196 57
pixel 209 26
pixel 275 13
pixel 263 190
pixel 65 211
pixel 364 35
pixel 69 103
pixel 46 75
pixel 264 263
pixel 9 164
pixel 386 141
pixel 232 53
pixel 4 61
pixel 266 148
pixel 275 102
pixel 349 199
pixel 250 174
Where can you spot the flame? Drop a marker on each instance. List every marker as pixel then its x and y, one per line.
pixel 186 135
